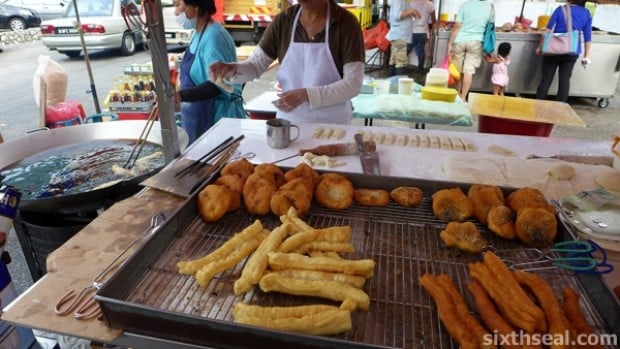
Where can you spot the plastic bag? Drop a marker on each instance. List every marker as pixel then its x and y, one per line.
pixel 452 69
pixel 375 37
pixel 63 111
pixel 55 78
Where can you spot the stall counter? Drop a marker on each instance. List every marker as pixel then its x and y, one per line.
pixel 79 260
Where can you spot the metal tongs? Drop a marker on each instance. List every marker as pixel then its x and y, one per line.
pixel 83 305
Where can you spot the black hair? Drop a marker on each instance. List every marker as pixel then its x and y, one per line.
pixel 504 49
pixel 581 3
pixel 205 7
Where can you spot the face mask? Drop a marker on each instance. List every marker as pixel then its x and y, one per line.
pixel 185 22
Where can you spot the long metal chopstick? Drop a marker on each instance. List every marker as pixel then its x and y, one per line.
pixel 142 138
pixel 204 161
pixel 217 166
pixel 202 158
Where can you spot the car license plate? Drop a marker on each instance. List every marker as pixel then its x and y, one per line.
pixel 66 30
pixel 169 35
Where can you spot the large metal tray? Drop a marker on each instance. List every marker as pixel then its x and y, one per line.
pixel 148 296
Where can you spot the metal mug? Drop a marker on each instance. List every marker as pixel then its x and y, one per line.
pixel 279 133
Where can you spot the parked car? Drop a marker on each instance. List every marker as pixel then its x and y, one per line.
pixel 47 9
pixel 103 26
pixel 18 18
pixel 177 37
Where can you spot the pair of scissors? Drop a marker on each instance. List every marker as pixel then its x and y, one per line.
pixel 237 155
pixel 575 255
pixel 83 304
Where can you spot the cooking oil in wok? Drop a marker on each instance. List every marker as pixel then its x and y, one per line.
pixel 79 168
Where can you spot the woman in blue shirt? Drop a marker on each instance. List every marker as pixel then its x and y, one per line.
pixel 210 43
pixel 564 64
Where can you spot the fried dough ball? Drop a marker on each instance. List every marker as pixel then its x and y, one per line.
pixel 283 200
pixel 371 197
pixel 528 197
pixel 334 191
pixel 501 221
pixel 536 226
pixel 242 168
pixel 271 172
pixel 257 192
pixel 464 236
pixel 233 182
pixel 452 205
pixel 300 184
pixel 214 201
pixel 303 170
pixel 407 196
pixel 484 198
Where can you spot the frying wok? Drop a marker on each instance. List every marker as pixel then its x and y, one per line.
pixel 43 140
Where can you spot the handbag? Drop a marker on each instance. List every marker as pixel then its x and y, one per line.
pixel 561 43
pixel 488 41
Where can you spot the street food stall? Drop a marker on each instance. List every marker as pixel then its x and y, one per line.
pixel 146 302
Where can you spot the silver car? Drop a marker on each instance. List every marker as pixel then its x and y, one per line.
pixel 103 26
pixel 47 9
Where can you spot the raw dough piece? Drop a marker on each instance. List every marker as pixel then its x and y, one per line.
pixel 317 132
pixel 367 136
pixel 379 137
pixel 401 140
pixel 435 142
pixel 469 146
pixel 457 144
pixel 425 141
pixel 444 142
pixel 562 171
pixel 390 138
pixel 609 180
pixel 499 150
pixel 414 141
pixel 338 133
pixel 327 133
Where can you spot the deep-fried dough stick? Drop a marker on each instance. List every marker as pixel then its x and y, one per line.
pixel 462 310
pixel 317 275
pixel 324 323
pixel 502 273
pixel 299 225
pixel 326 246
pixel 324 254
pixel 557 322
pixel 575 315
pixel 242 310
pixel 257 264
pixel 361 267
pixel 488 313
pixel 191 267
pixel 333 290
pixel 206 273
pixel 447 312
pixel 510 310
pixel 297 240
pixel 334 234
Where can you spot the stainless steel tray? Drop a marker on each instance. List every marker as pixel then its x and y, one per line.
pixel 148 296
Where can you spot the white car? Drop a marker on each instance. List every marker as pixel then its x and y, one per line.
pixel 47 9
pixel 103 26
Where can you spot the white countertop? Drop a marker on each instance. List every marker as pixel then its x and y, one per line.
pixel 425 163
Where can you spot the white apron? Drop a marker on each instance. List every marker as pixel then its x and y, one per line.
pixel 309 65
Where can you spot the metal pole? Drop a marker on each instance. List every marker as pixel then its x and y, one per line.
pixel 93 89
pixel 161 74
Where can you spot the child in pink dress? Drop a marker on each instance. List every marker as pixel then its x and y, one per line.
pixel 500 76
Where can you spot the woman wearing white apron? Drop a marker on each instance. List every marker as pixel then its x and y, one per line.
pixel 321 52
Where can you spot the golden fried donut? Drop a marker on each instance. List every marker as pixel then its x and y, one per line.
pixel 299 184
pixel 452 205
pixel 271 172
pixel 214 202
pixel 484 198
pixel 536 226
pixel 257 192
pixel 233 182
pixel 528 197
pixel 371 197
pixel 242 168
pixel 334 191
pixel 303 170
pixel 407 196
pixel 282 200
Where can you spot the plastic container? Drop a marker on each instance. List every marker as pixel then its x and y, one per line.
pixel 490 124
pixel 542 22
pixel 405 86
pixel 382 87
pixel 437 77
